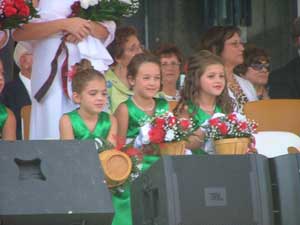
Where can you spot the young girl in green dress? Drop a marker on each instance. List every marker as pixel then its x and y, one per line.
pixel 7 118
pixel 7 124
pixel 204 94
pixel 144 77
pixel 88 121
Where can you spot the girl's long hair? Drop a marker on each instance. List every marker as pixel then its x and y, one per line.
pixel 197 65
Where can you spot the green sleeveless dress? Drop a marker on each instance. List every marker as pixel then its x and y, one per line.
pixel 199 117
pixel 3 117
pixel 136 119
pixel 81 131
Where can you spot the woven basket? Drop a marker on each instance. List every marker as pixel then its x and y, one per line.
pixel 172 148
pixel 116 167
pixel 232 146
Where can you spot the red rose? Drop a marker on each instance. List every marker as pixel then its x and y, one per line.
pixel 133 152
pixel 19 4
pixel 76 8
pixel 232 117
pixel 10 11
pixel 171 120
pixel 159 122
pixel 243 126
pixel 156 135
pixel 214 121
pixel 223 128
pixel 24 11
pixel 185 123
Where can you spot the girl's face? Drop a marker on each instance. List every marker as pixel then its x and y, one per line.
pixel 93 97
pixel 2 80
pixel 232 53
pixel 131 48
pixel 147 80
pixel 212 81
pixel 170 68
pixel 258 73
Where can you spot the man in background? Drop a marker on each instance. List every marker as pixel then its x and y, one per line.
pixel 17 93
pixel 285 81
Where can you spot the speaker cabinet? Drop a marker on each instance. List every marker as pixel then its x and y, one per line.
pixel 52 183
pixel 204 190
pixel 286 182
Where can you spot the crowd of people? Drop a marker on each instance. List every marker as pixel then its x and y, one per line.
pixel 77 95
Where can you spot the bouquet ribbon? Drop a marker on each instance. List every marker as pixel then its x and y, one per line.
pixel 64 73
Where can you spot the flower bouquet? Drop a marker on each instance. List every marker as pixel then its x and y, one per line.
pixel 120 165
pixel 164 135
pixel 232 133
pixel 13 13
pixel 99 10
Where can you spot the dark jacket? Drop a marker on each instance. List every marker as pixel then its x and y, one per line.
pixel 15 96
pixel 285 81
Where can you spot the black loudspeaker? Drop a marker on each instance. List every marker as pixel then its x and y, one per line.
pixel 52 183
pixel 204 190
pixel 286 182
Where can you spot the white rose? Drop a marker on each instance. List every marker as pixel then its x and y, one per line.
pixel 126 1
pixel 145 133
pixel 84 3
pixel 94 2
pixel 170 135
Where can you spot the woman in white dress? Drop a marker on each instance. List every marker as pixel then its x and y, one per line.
pixel 84 39
pixel 226 42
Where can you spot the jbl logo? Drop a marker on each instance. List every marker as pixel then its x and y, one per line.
pixel 215 196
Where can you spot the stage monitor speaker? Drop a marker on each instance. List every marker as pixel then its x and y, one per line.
pixel 52 183
pixel 285 172
pixel 204 190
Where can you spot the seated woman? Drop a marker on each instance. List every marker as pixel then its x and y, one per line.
pixel 256 69
pixel 171 61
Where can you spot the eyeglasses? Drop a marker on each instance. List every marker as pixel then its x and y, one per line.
pixel 172 65
pixel 260 66
pixel 135 48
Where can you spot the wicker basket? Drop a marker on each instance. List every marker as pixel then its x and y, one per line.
pixel 172 148
pixel 232 146
pixel 116 167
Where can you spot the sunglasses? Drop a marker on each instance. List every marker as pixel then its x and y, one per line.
pixel 260 66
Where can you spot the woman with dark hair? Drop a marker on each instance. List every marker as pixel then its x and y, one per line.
pixel 125 46
pixel 226 42
pixel 171 62
pixel 256 69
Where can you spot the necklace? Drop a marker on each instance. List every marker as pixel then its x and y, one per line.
pixel 209 111
pixel 150 109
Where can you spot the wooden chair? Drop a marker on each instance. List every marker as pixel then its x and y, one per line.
pixel 275 114
pixel 25 117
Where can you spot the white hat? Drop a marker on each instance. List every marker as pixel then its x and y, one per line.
pixel 21 48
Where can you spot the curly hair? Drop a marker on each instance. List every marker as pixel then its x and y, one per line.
pixel 117 47
pixel 197 65
pixel 84 72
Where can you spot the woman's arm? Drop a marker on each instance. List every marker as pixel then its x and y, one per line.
pixel 9 128
pixel 121 115
pixel 112 136
pixel 78 27
pixel 65 128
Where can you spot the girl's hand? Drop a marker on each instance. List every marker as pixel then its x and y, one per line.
pixel 79 28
